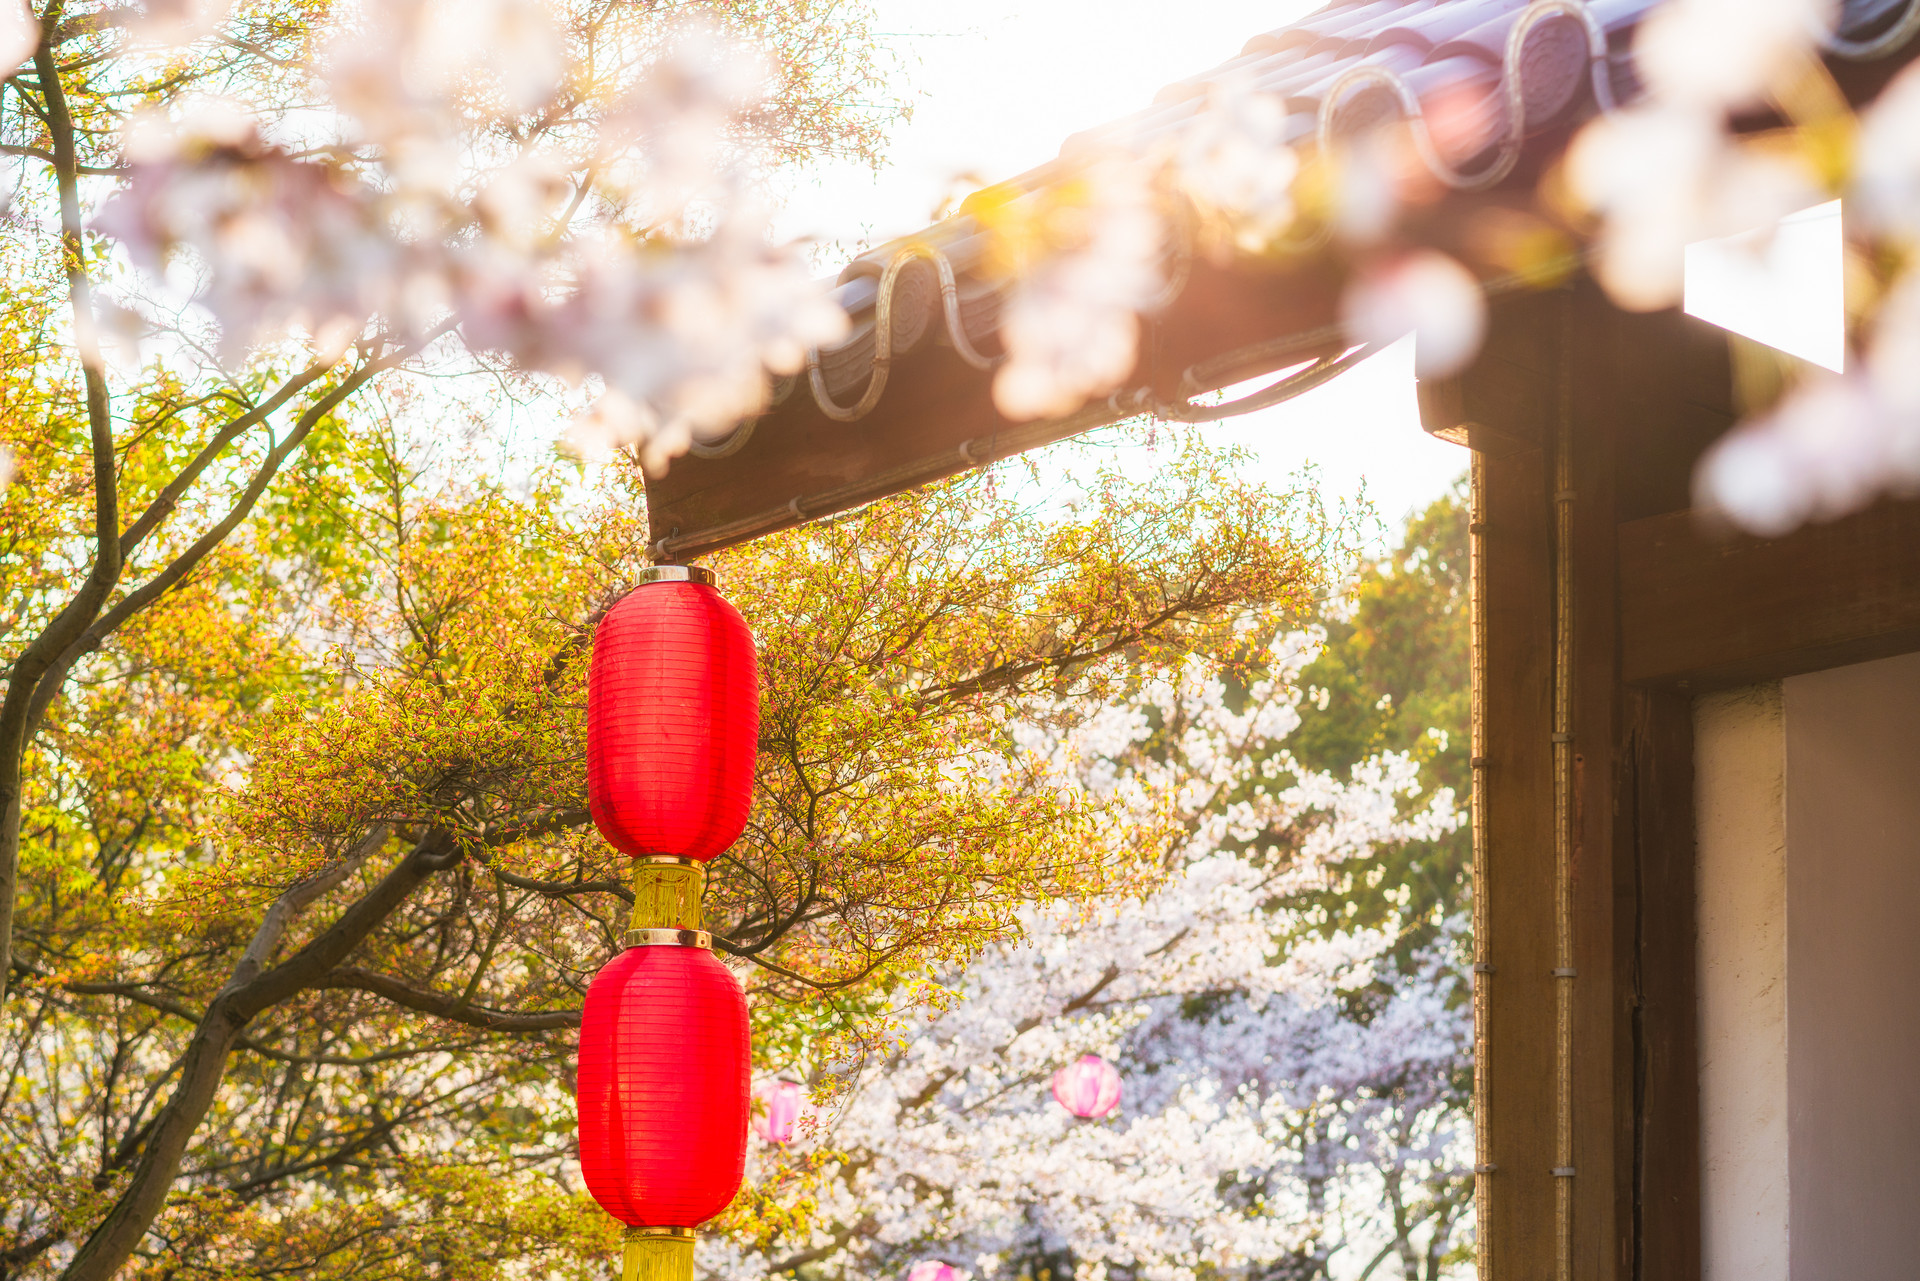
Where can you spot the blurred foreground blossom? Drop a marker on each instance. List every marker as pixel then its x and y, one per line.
pixel 1426 294
pixel 285 242
pixel 1088 1088
pixel 19 32
pixel 1663 177
pixel 671 294
pixel 1235 165
pixel 166 23
pixel 1833 444
pixel 932 1270
pixel 1087 260
pixel 1824 451
pixel 1721 55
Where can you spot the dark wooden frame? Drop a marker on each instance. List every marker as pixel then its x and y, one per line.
pixel 1665 602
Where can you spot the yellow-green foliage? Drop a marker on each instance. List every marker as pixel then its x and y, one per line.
pixel 392 650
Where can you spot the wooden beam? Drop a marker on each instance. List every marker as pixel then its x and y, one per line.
pixel 1495 406
pixel 1710 608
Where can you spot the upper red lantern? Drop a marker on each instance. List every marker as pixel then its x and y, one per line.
pixel 673 718
pixel 664 1072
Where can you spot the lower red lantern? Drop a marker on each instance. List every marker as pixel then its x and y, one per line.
pixel 663 1095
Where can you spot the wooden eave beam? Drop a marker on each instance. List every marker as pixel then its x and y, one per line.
pixel 1704 606
pixel 937 419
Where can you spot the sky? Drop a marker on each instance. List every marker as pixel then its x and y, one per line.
pixel 997 86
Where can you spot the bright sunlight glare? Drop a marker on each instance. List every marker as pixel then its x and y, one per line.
pixel 1782 286
pixel 998 86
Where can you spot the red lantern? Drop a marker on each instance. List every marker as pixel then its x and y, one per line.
pixel 664 1073
pixel 673 718
pixel 1088 1088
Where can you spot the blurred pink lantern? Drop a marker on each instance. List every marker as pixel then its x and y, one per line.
pixel 932 1270
pixel 781 1102
pixel 1088 1088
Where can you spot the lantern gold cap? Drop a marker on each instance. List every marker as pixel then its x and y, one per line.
pixel 667 938
pixel 657 1254
pixel 676 574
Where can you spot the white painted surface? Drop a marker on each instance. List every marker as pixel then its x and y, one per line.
pixel 1739 771
pixel 1853 949
pixel 1784 286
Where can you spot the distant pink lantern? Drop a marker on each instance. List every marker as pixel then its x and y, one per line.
pixel 932 1270
pixel 781 1104
pixel 1088 1088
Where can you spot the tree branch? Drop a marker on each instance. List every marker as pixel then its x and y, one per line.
pixel 164 502
pixel 36 153
pixel 187 561
pixel 33 665
pixel 251 989
pixel 445 1005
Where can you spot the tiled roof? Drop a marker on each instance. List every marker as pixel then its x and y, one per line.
pixel 1510 80
pixel 1338 71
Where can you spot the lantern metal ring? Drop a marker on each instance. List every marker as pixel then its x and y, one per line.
pixel 640 1233
pixel 667 938
pixel 676 574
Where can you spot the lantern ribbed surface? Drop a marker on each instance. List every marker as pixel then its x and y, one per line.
pixel 663 1088
pixel 673 721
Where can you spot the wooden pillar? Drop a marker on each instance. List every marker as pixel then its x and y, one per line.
pixel 1599 392
pixel 1583 827
pixel 1514 850
pixel 1655 835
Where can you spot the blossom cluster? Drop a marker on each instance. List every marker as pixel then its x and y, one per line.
pixel 1678 165
pixel 428 196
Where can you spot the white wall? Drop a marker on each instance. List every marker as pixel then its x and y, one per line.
pixel 1739 747
pixel 1807 804
pixel 1853 970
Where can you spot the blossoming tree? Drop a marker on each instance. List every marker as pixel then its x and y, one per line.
pixel 310 896
pixel 1294 1076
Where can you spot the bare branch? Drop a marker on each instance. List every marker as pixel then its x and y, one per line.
pixel 446 1005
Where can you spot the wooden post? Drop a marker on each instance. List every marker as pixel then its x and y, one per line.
pixel 1514 850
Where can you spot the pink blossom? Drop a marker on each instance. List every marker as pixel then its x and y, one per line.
pixel 932 1270
pixel 1426 294
pixel 1088 1088
pixel 19 32
pixel 1072 328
